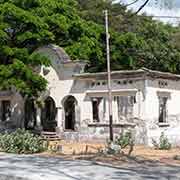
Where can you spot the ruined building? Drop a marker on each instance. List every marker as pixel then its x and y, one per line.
pixel 75 104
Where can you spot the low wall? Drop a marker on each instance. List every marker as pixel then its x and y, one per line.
pixel 97 132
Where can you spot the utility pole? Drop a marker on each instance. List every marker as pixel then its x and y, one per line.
pixel 109 77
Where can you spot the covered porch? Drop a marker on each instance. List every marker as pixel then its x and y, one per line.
pixel 42 118
pixel 50 117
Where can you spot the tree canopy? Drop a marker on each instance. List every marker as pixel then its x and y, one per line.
pixel 26 25
pixel 78 27
pixel 136 40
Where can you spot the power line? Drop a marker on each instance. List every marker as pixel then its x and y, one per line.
pixel 167 17
pixel 154 16
pixel 160 17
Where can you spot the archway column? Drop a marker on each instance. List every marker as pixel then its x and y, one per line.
pixel 59 119
pixel 77 118
pixel 38 119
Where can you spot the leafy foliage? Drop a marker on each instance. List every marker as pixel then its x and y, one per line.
pixel 112 148
pixel 21 32
pixel 27 25
pixel 21 142
pixel 136 40
pixel 124 140
pixel 163 143
pixel 78 27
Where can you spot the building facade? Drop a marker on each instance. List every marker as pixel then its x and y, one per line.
pixel 75 104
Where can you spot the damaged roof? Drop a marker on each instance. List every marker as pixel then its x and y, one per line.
pixel 143 72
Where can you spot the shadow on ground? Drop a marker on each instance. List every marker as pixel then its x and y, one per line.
pixel 49 168
pixel 6 177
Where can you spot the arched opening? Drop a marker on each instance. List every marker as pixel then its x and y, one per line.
pixel 30 115
pixel 70 104
pixel 48 115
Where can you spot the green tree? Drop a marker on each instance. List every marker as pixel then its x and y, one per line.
pixel 26 25
pixel 136 40
pixel 21 32
pixel 78 26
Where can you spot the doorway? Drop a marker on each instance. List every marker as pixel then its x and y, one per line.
pixel 30 115
pixel 48 115
pixel 70 112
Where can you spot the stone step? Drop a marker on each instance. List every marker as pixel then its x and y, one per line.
pixel 52 136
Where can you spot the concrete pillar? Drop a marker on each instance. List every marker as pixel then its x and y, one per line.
pixel 115 111
pixel 59 119
pixel 77 118
pixel 107 110
pixel 38 119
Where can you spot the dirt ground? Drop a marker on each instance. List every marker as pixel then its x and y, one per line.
pixel 70 148
pixel 152 154
pixel 91 151
pixel 93 148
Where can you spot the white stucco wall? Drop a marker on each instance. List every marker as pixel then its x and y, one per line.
pixel 136 88
pixel 61 84
pixel 171 129
pixel 83 91
pixel 60 88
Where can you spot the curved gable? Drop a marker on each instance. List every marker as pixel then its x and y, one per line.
pixel 61 62
pixel 57 56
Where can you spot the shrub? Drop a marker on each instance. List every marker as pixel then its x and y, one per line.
pixel 163 143
pixel 112 148
pixel 21 142
pixel 124 140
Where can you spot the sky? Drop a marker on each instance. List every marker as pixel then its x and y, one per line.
pixel 153 9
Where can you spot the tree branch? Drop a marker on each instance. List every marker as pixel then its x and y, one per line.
pixel 131 3
pixel 142 6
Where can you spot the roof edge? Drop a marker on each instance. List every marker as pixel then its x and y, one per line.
pixel 141 71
